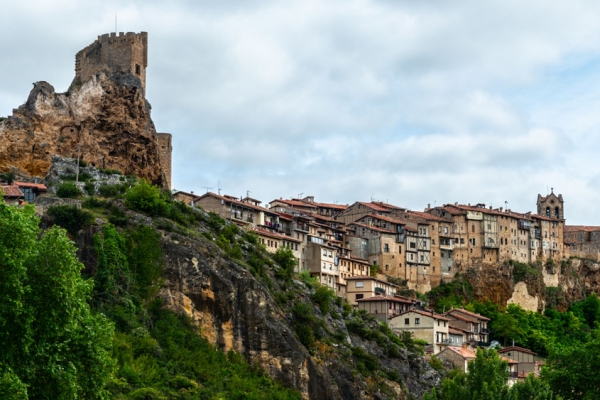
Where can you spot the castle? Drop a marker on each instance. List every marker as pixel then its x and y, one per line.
pixel 126 53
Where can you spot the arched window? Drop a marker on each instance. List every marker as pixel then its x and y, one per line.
pixel 547 211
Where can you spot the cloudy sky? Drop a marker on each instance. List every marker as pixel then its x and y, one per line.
pixel 400 101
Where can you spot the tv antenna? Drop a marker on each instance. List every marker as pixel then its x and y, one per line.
pixel 207 188
pixel 300 195
pixel 115 23
pixel 248 193
pixel 219 187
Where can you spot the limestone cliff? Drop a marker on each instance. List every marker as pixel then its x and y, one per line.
pixel 534 287
pixel 106 119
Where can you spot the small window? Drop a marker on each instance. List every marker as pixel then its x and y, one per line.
pixel 406 321
pixel 417 321
pixel 359 284
pixel 359 296
pixel 138 70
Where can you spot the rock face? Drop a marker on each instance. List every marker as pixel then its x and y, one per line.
pixel 106 119
pixel 235 311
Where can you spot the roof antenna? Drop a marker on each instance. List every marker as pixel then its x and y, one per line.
pixel 248 193
pixel 300 195
pixel 115 23
pixel 219 187
pixel 207 188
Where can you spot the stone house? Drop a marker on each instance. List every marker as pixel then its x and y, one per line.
pixel 232 209
pixel 274 241
pixel 584 241
pixel 458 356
pixel 361 209
pixel 185 197
pixel 425 325
pixel 384 307
pixel 322 263
pixel 362 287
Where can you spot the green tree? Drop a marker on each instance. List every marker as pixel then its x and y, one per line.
pixel 286 260
pixel 50 341
pixel 68 190
pixel 572 371
pixel 507 327
pixel 147 198
pixel 486 380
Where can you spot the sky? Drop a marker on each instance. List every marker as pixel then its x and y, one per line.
pixel 411 103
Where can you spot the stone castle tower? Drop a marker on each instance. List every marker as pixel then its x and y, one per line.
pixel 126 53
pixel 551 206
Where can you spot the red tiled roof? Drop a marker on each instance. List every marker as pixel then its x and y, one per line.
pixel 383 218
pixel 517 348
pixel 427 216
pixel 508 360
pixel 428 314
pixel 266 232
pixel 374 206
pixel 39 186
pixel 373 228
pixel 12 191
pixel 332 205
pixel 233 200
pixel 455 331
pixel 387 205
pixel 463 352
pixel 357 259
pixel 468 313
pixel 581 228
pixel 394 299
pixel 294 203
pixel 368 277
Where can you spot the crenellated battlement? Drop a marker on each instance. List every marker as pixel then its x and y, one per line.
pixel 125 52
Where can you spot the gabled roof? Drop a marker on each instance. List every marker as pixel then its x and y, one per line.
pixel 39 186
pixel 465 353
pixel 233 200
pixel 374 206
pixel 430 314
pixel 470 314
pixel 274 235
pixel 382 218
pixel 373 228
pixel 295 203
pixel 368 277
pixel 393 299
pixel 517 348
pixel 12 192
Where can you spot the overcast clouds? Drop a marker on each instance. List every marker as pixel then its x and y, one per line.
pixel 407 102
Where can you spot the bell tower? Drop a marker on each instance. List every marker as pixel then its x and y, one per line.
pixel 551 206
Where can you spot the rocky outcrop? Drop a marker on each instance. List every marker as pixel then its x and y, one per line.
pixel 236 311
pixel 106 120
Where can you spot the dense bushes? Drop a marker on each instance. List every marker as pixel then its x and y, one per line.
pixel 72 218
pixel 68 190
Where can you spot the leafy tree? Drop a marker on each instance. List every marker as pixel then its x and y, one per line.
pixel 531 388
pixel 507 326
pixel 9 177
pixel 50 341
pixel 587 310
pixel 572 371
pixel 486 380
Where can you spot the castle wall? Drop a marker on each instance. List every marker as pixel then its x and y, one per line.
pixel 165 150
pixel 127 52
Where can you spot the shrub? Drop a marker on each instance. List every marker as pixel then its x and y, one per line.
pixel 108 190
pixel 323 296
pixel 72 218
pixel 82 164
pixel 89 188
pixel 92 202
pixel 68 190
pixel 146 198
pixel 9 177
pixel 108 171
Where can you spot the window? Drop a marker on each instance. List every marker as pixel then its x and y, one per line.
pixel 417 321
pixel 422 258
pixel 138 70
pixel 446 229
pixel 359 296
pixel 359 284
pixel 413 245
pixel 386 248
pixel 472 228
pixel 324 253
pixel 406 321
pixel 399 249
pixel 387 267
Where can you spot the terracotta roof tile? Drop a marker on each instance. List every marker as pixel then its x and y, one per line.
pixel 581 228
pixel 517 348
pixel 39 186
pixel 464 353
pixel 373 228
pixel 394 299
pixel 266 232
pixel 469 313
pixel 428 314
pixel 12 191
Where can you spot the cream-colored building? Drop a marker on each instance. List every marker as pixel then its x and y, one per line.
pixel 425 325
pixel 385 307
pixel 362 287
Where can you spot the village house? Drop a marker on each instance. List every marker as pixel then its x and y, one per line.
pixel 322 263
pixel 475 325
pixel 12 195
pixel 460 357
pixel 365 286
pixel 232 209
pixel 361 209
pixel 525 359
pixel 425 325
pixel 584 241
pixel 274 241
pixel 185 197
pixel 31 190
pixel 384 307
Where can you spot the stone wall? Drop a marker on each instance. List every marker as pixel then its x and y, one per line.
pixel 165 149
pixel 127 53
